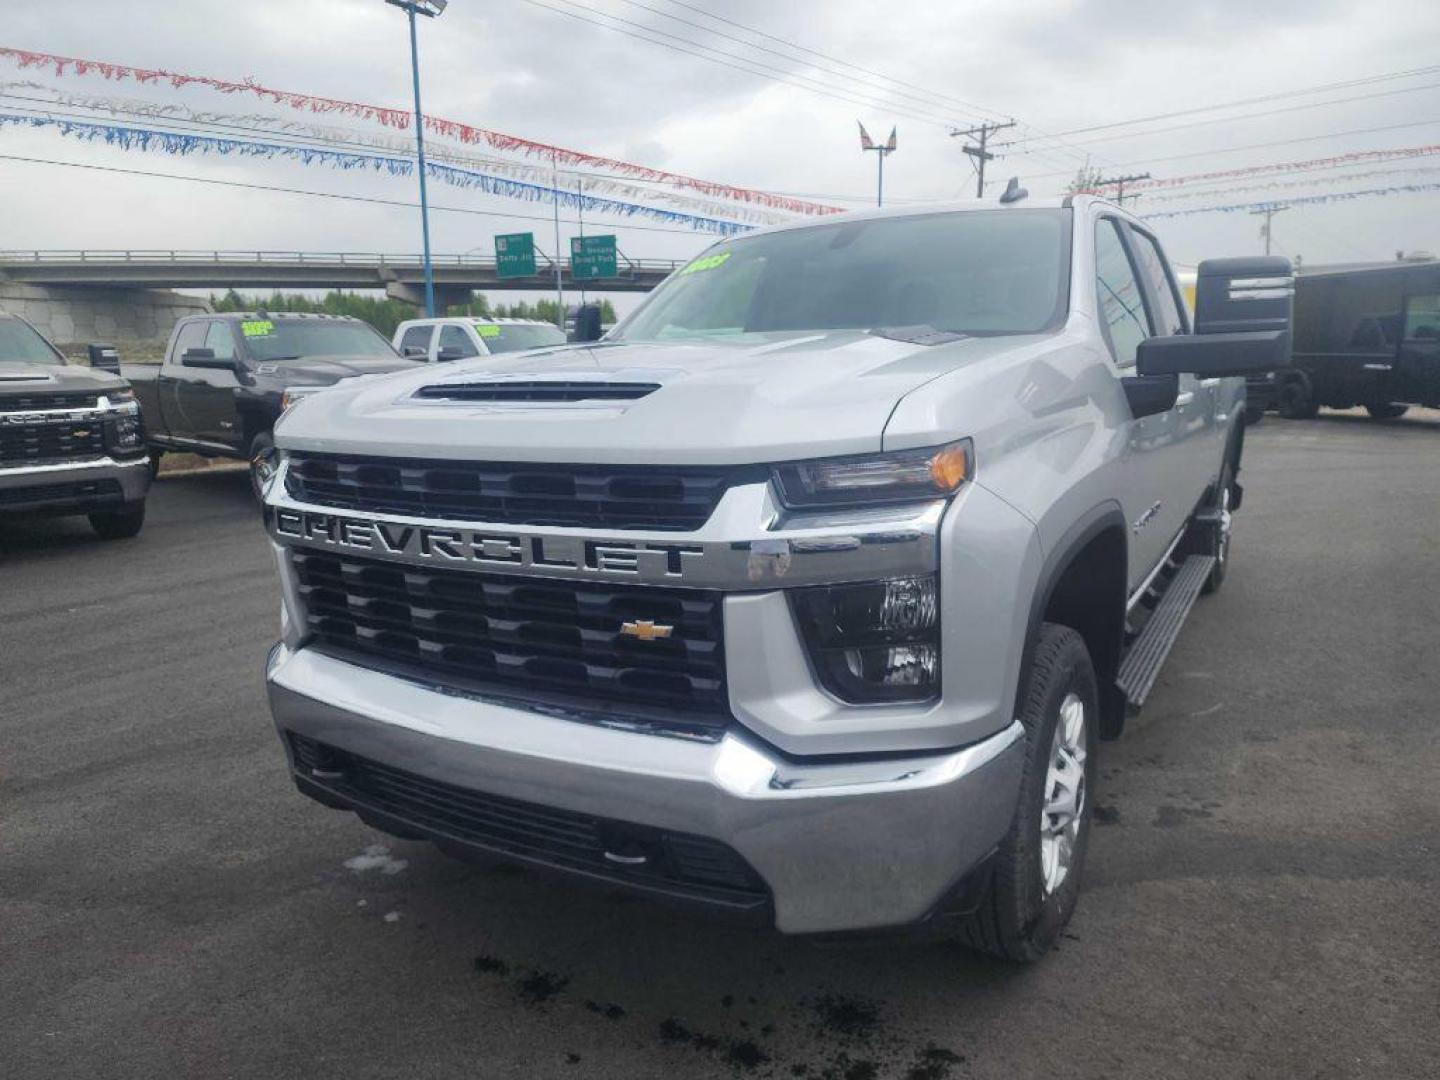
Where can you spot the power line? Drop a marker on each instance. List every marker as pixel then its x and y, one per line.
pixel 1252 116
pixel 1261 99
pixel 926 99
pixel 732 61
pixel 1266 145
pixel 971 106
pixel 833 59
pixel 333 195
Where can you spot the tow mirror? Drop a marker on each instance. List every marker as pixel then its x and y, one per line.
pixel 587 323
pixel 449 353
pixel 414 352
pixel 104 358
pixel 1242 322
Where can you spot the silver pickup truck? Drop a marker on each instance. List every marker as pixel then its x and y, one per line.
pixel 71 440
pixel 806 592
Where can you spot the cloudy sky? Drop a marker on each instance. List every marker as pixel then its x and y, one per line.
pixel 544 70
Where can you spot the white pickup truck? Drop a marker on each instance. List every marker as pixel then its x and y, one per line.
pixel 806 592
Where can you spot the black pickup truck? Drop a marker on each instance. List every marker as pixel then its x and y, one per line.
pixel 227 378
pixel 1368 336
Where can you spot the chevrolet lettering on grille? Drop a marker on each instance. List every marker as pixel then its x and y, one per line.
pixel 492 549
pixel 33 418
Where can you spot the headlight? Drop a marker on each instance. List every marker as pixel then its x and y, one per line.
pixel 124 434
pixel 292 394
pixel 876 479
pixel 875 641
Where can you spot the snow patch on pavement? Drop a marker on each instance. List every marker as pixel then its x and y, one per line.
pixel 376 857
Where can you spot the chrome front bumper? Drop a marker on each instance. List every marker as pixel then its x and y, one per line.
pixel 133 477
pixel 858 844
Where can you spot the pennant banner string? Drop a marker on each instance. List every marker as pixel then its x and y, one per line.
pixel 1338 196
pixel 399 118
pixel 261 125
pixel 181 144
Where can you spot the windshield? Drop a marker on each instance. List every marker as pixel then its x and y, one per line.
pixel 506 337
pixel 20 343
pixel 976 272
pixel 289 339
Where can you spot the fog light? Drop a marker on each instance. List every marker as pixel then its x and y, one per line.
pixel 875 640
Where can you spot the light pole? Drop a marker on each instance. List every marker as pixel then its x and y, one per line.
pixel 428 8
pixel 881 149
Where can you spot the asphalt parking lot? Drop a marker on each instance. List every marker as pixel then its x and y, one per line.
pixel 1261 899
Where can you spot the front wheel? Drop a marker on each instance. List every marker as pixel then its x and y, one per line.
pixel 119 524
pixel 1387 410
pixel 1035 876
pixel 1294 401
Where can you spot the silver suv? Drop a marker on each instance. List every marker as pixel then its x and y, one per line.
pixel 805 592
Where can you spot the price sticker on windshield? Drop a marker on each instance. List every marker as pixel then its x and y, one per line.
pixel 487 330
pixel 709 262
pixel 257 327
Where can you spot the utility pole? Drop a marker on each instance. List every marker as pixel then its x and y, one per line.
pixel 882 150
pixel 1120 182
pixel 1269 212
pixel 979 153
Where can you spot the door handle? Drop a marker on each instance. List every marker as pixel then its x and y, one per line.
pixel 1184 398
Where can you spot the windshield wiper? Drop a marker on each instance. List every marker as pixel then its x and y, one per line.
pixel 920 334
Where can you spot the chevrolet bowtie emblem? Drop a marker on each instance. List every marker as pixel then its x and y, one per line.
pixel 646 630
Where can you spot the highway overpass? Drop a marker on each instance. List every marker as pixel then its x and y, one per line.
pixel 401 276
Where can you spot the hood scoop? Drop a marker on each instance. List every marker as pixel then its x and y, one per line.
pixel 26 379
pixel 535 391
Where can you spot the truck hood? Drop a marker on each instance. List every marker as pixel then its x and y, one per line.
pixel 324 370
pixel 17 378
pixel 755 398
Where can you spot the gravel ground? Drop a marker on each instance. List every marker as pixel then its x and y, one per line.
pixel 1260 899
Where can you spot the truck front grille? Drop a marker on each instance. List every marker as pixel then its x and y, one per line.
pixel 540 636
pixel 576 496
pixel 35 400
pixel 695 867
pixel 50 443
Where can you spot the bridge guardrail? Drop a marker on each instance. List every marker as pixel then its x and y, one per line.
pixel 378 260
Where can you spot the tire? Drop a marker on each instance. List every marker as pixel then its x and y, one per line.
pixel 1031 893
pixel 1387 410
pixel 119 524
pixel 262 453
pixel 1293 401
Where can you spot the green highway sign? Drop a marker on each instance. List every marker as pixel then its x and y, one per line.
pixel 515 255
pixel 592 257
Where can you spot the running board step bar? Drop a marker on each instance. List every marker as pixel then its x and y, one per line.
pixel 1147 653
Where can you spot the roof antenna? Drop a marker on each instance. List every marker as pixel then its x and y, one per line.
pixel 1013 191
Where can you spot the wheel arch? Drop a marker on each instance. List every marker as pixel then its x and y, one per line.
pixel 1082 585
